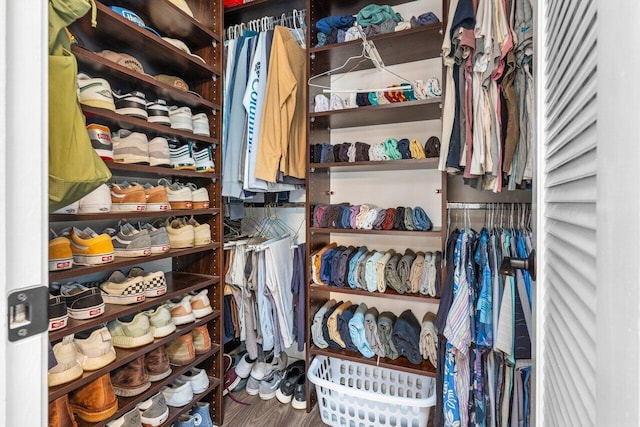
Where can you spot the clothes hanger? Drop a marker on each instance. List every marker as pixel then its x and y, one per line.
pixel 369 52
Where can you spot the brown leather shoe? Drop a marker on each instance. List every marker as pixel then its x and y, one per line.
pixel 60 414
pixel 201 339
pixel 181 351
pixel 157 364
pixel 95 401
pixel 131 379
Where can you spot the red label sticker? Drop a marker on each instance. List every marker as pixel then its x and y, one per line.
pixel 59 324
pixel 107 258
pixel 64 264
pixel 140 298
pixel 95 311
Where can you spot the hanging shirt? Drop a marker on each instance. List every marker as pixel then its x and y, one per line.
pixel 283 141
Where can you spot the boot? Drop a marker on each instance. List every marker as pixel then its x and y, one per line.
pixel 95 401
pixel 157 364
pixel 131 379
pixel 60 414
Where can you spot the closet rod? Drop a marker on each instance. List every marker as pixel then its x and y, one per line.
pixel 480 206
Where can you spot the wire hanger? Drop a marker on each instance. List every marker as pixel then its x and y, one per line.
pixel 369 53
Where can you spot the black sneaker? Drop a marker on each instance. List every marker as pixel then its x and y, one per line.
pixel 299 395
pixel 132 104
pixel 58 315
pixel 82 302
pixel 284 394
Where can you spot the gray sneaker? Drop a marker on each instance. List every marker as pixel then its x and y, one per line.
pixel 154 411
pixel 268 386
pixel 253 386
pixel 129 242
pixel 131 418
pixel 159 238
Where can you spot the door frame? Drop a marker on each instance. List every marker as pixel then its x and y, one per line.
pixel 23 202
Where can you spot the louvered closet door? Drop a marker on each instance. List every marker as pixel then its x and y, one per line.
pixel 568 31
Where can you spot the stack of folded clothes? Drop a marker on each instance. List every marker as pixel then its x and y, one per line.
pixel 374 271
pixel 342 325
pixel 370 217
pixel 404 92
pixel 390 149
pixel 373 19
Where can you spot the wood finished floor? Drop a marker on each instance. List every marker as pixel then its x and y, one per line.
pixel 266 413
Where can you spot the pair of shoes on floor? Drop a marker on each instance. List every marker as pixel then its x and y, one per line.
pixel 76 354
pixel 292 388
pixel 263 377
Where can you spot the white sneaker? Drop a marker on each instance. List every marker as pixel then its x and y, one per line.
pixel 202 232
pixel 180 196
pixel 181 157
pixel 67 369
pixel 197 378
pixel 181 118
pixel 178 393
pixel 159 153
pixel 96 351
pixel 132 104
pixel 262 370
pixel 131 334
pixel 181 235
pixel 181 312
pixel 155 284
pixel 200 304
pixel 98 201
pixel 154 412
pixel 244 366
pixel 130 147
pixel 158 112
pixel 201 124
pixel 253 387
pixel 122 290
pixel 161 322
pixel 95 92
pixel 70 209
pixel 204 160
pixel 199 196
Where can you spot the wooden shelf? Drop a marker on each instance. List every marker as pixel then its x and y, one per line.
pixel 382 165
pixel 170 21
pixel 124 356
pixel 397 112
pixel 177 284
pixel 112 216
pixel 120 262
pixel 388 294
pixel 265 7
pixel 125 404
pixel 425 42
pixel 400 364
pixel 351 7
pixel 117 33
pixel 435 232
pixel 135 169
pixel 116 121
pixel 127 79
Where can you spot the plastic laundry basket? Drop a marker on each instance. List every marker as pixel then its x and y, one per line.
pixel 357 395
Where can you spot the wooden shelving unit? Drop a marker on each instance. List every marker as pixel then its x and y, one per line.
pixel 425 44
pixel 192 269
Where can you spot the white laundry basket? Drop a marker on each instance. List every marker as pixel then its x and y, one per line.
pixel 357 395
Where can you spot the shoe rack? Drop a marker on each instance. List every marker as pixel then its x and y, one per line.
pixel 192 269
